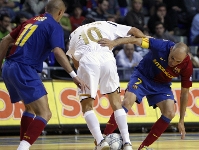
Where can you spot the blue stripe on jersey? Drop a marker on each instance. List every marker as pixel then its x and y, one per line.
pixel 112 23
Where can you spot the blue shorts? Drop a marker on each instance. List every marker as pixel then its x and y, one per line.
pixel 154 92
pixel 22 82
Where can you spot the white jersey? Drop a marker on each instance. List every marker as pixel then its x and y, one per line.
pixel 84 39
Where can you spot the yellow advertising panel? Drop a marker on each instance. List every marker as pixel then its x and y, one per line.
pixel 70 109
pixel 10 114
pixel 66 109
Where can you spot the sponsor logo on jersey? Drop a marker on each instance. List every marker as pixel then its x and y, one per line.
pixel 162 68
pixel 40 18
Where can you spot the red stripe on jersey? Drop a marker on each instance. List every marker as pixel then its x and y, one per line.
pixel 17 31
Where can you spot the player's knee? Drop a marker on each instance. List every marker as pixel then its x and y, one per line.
pixel 46 114
pixel 169 114
pixel 28 109
pixel 116 105
pixel 127 103
pixel 85 109
pixel 87 105
pixel 49 115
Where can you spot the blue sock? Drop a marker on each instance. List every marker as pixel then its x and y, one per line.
pixel 125 109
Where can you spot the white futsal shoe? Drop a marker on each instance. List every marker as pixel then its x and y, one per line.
pixel 127 146
pixel 103 145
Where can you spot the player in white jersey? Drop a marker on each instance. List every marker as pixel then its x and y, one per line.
pixel 97 66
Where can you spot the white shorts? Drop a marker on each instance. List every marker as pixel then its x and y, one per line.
pixel 98 69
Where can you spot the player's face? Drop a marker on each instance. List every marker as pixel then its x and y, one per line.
pixel 175 58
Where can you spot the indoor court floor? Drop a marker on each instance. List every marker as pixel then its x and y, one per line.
pixel 168 141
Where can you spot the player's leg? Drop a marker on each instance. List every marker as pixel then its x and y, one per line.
pixel 31 90
pixel 120 117
pixel 43 115
pixel 27 117
pixel 168 112
pixel 127 103
pixel 91 120
pixel 89 71
pixel 134 92
pixel 109 84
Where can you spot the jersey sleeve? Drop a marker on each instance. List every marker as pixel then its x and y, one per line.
pixel 118 29
pixel 160 44
pixel 14 34
pixel 186 76
pixel 57 38
pixel 70 50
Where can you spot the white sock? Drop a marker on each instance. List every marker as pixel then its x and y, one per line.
pixel 93 125
pixel 24 145
pixel 121 120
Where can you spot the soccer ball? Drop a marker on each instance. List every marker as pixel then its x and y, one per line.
pixel 115 141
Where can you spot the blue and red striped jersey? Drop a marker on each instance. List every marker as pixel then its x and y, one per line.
pixel 35 39
pixel 155 66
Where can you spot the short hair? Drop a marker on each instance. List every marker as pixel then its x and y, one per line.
pixel 161 5
pixel 159 23
pixel 54 5
pixel 101 1
pixel 88 20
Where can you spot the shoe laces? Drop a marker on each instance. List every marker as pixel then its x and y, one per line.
pixel 127 144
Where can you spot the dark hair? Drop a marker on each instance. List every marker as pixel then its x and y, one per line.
pixel 161 5
pixel 3 15
pixel 159 23
pixel 101 1
pixel 88 20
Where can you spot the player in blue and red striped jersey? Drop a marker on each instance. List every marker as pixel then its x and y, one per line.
pixel 152 78
pixel 33 41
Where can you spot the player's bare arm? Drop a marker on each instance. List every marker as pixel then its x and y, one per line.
pixel 4 44
pixel 75 62
pixel 64 62
pixel 183 105
pixel 136 32
pixel 125 40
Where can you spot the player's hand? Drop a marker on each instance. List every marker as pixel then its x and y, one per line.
pixel 106 42
pixel 181 129
pixel 80 84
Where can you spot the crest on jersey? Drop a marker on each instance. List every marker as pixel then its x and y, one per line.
pixel 176 70
pixel 135 86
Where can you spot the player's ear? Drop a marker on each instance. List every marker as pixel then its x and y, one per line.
pixel 171 48
pixel 60 12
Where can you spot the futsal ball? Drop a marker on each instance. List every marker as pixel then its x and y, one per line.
pixel 115 141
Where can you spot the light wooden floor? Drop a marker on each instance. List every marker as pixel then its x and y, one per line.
pixel 85 142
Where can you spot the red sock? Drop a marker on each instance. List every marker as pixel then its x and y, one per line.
pixel 111 125
pixel 157 129
pixel 26 119
pixel 34 130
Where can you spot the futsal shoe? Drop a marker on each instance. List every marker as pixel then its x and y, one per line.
pixel 127 146
pixel 103 145
pixel 144 148
pixel 95 142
